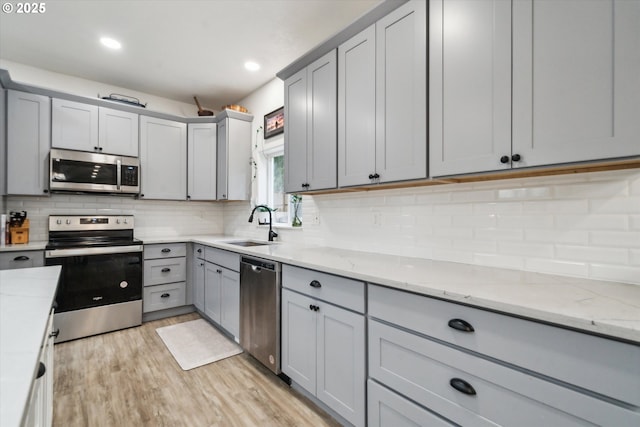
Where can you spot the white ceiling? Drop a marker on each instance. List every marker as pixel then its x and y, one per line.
pixel 175 49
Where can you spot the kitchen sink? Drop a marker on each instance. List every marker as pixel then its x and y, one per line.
pixel 249 243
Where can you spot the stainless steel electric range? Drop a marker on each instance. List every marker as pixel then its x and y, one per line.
pixel 100 288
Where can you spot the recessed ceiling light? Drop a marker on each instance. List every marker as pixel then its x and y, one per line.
pixel 252 66
pixel 110 43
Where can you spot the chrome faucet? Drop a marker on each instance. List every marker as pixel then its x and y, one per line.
pixel 272 233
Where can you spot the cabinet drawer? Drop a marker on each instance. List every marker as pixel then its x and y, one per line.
pixel 337 290
pixel 388 409
pixel 605 366
pixel 157 271
pixel 423 370
pixel 160 297
pixel 198 251
pixel 168 250
pixel 230 260
pixel 21 259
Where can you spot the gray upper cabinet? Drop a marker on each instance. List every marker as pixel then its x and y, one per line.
pixel 233 155
pixel 3 140
pixel 357 109
pixel 531 83
pixel 201 161
pixel 117 132
pixel 382 100
pixel 28 143
pixel 74 125
pixel 310 137
pixel 576 91
pixel 163 159
pixel 84 127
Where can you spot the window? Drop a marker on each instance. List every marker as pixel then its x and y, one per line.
pixel 276 197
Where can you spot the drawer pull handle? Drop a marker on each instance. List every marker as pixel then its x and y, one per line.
pixel 41 370
pixel 165 295
pixel 315 284
pixel 462 386
pixel 313 307
pixel 219 271
pixel 199 251
pixel 461 325
pixel 22 258
pixel 166 270
pixel 166 250
pixel 54 334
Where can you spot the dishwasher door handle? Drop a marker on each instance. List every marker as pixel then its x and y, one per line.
pixel 256 269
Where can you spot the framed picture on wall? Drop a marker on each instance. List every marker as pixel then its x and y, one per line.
pixel 274 123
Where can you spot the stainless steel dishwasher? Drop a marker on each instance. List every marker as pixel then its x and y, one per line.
pixel 260 310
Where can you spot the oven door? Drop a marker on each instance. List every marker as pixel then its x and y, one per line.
pixel 93 277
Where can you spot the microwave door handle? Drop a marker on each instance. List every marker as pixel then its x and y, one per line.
pixel 118 173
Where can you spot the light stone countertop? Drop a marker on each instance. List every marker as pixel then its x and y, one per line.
pixel 31 246
pixel 606 308
pixel 26 296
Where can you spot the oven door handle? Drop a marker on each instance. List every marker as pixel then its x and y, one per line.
pixel 59 253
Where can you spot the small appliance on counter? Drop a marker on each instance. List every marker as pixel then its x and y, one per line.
pixel 18 227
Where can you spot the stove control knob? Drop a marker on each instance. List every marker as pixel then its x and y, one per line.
pixel 68 222
pixel 126 221
pixel 118 221
pixel 58 221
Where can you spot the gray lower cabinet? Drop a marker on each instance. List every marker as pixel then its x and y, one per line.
pixel 40 410
pixel 389 409
pixel 165 277
pixel 323 341
pixel 198 276
pixel 222 289
pixel 21 259
pixel 28 143
pixel 413 355
pixel 163 159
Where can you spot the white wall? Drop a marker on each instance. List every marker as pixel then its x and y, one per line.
pixel 583 225
pixel 74 85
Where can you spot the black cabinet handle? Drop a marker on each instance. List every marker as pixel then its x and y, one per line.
pixel 45 191
pixel 142 195
pixel 95 148
pixel 515 157
pixel 504 159
pixel 376 175
pixel 55 333
pixel 310 306
pixel 166 250
pixel 41 370
pixel 165 295
pixel 314 307
pixel 462 386
pixel 461 325
pixel 166 270
pixel 219 271
pixel 22 258
pixel 199 251
pixel 371 176
pixel 315 284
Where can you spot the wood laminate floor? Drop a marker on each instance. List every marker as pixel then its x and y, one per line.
pixel 129 378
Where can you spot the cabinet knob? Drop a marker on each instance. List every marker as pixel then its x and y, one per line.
pixel 200 250
pixel 462 386
pixel 219 271
pixel 142 195
pixel 516 157
pixel 370 176
pixel 504 159
pixel 45 191
pixel 95 148
pixel 376 175
pixel 461 325
pixel 188 197
pixel 165 295
pixel 166 270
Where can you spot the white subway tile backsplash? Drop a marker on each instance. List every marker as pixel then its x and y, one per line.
pixel 593 254
pixel 620 239
pixel 615 273
pixel 557 236
pixel 554 266
pixel 592 222
pixel 623 205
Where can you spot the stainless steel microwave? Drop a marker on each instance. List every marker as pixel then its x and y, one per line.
pixel 91 172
